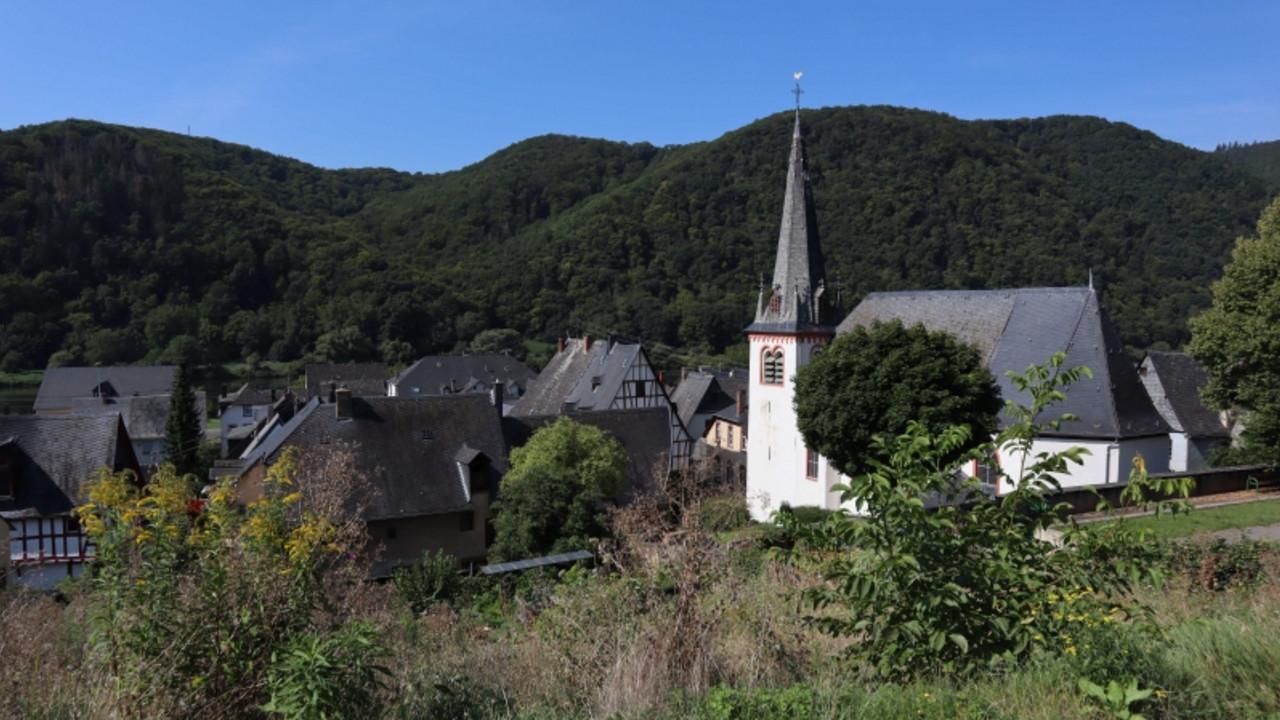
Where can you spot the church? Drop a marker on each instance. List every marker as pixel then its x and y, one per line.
pixel 796 317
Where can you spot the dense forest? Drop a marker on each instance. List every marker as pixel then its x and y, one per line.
pixel 1260 158
pixel 122 245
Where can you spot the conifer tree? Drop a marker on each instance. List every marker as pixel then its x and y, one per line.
pixel 182 431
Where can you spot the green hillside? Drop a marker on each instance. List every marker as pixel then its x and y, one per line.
pixel 1261 158
pixel 121 245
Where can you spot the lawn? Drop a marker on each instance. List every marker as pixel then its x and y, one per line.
pixel 1224 517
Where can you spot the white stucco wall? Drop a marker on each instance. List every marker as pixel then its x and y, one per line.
pixel 776 456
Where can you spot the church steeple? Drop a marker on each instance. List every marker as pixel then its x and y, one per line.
pixel 798 298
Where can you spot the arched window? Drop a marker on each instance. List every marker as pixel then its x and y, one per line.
pixel 773 366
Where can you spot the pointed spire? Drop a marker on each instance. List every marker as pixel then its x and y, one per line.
pixel 796 296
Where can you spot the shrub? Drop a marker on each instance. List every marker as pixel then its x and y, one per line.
pixel 432 581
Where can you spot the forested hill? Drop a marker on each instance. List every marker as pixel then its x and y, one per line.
pixel 121 245
pixel 1260 158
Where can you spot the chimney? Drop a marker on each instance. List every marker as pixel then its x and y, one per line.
pixel 560 345
pixel 496 394
pixel 739 402
pixel 273 395
pixel 342 403
pixel 586 342
pixel 333 389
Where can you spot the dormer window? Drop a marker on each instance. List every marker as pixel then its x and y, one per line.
pixel 775 303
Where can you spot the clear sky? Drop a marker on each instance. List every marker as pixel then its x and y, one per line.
pixel 433 86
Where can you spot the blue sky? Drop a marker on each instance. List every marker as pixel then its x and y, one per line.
pixel 432 86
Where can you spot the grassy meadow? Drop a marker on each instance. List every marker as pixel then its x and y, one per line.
pixel 674 622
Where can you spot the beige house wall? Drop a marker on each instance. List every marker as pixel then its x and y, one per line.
pixel 725 435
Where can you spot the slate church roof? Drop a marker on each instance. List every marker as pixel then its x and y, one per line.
pixel 799 277
pixel 1174 381
pixel 62 385
pixel 53 457
pixel 1013 329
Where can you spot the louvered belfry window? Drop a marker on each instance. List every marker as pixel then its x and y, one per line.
pixel 773 366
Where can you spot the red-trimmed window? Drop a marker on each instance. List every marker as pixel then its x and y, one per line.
pixel 810 464
pixel 773 366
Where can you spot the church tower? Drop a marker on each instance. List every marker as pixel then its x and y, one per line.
pixel 795 319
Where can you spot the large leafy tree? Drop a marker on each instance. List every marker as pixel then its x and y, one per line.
pixel 183 435
pixel 875 381
pixel 551 498
pixel 1238 339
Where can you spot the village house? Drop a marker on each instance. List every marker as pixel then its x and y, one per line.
pixel 44 463
pixel 362 379
pixel 589 375
pixel 62 386
pixel 712 404
pixel 429 467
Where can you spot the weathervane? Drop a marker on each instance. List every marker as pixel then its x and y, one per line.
pixel 797 92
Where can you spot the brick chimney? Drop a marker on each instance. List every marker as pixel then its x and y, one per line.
pixel 739 402
pixel 342 403
pixel 586 342
pixel 560 345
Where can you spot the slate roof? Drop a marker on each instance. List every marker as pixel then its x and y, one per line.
pixel 408 447
pixel 250 396
pixel 579 379
pixel 703 395
pixel 54 456
pixel 463 373
pixel 144 416
pixel 798 273
pixel 1013 329
pixel 61 385
pixel 1174 381
pixel 362 379
pixel 644 433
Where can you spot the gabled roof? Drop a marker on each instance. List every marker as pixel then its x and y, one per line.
pixel 144 416
pixel 1174 381
pixel 585 375
pixel 703 395
pixel 644 433
pixel 409 448
pixel 53 456
pixel 447 374
pixel 362 379
pixel 250 396
pixel 1013 329
pixel 61 385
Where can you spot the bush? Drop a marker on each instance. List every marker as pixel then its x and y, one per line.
pixel 434 580
pixel 724 513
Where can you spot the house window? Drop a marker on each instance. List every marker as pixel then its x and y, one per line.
pixel 987 471
pixel 717 435
pixel 479 477
pixel 811 464
pixel 773 366
pixel 391 533
pixel 246 411
pixel 639 388
pixel 730 429
pixel 467 521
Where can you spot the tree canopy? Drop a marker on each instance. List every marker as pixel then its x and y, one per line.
pixel 551 499
pixel 874 382
pixel 122 245
pixel 1238 339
